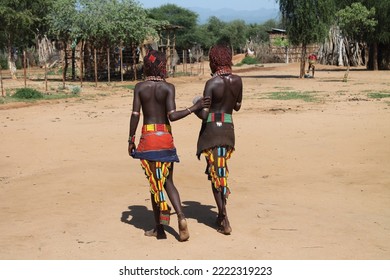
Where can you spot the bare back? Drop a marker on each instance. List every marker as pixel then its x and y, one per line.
pixel 225 93
pixel 156 99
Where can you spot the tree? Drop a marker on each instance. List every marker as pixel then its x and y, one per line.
pixel 257 33
pixel 20 20
pixel 203 37
pixel 306 22
pixel 236 31
pixel 379 39
pixel 112 22
pixel 232 33
pixel 63 25
pixel 215 29
pixel 178 16
pixel 356 23
pixel 62 19
pixel 103 23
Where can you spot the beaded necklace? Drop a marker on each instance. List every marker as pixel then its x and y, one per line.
pixel 154 78
pixel 222 72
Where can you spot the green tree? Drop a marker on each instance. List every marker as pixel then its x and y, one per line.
pixel 257 33
pixel 203 37
pixel 236 31
pixel 178 16
pixel 20 21
pixel 306 22
pixel 379 39
pixel 216 29
pixel 109 22
pixel 62 20
pixel 231 33
pixel 356 23
pixel 103 23
pixel 63 26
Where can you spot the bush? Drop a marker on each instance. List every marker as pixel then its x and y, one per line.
pixel 27 93
pixel 249 60
pixel 76 90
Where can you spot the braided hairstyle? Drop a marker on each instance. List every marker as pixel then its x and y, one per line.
pixel 220 57
pixel 155 64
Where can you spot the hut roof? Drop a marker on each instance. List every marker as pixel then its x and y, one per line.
pixel 277 31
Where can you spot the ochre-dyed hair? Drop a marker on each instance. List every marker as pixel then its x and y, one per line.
pixel 220 58
pixel 155 64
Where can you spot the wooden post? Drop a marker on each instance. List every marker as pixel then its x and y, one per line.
pixel 95 62
pixel 108 65
pixel 184 60
pixel 24 69
pixel 28 69
pixel 173 52
pixel 73 48
pixel 168 52
pixel 45 75
pixel 121 57
pixel 1 82
pixel 134 61
pixel 287 57
pixel 65 66
pixel 81 63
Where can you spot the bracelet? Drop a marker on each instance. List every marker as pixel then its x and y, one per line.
pixel 131 139
pixel 189 110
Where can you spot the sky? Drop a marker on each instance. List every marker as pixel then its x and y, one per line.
pixel 214 4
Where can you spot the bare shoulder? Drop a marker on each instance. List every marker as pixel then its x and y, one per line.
pixel 214 81
pixel 148 84
pixel 168 85
pixel 139 86
pixel 235 77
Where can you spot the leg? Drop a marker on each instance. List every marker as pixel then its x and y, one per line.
pixel 174 197
pixel 312 70
pixel 158 230
pixel 222 222
pixel 220 205
pixel 219 172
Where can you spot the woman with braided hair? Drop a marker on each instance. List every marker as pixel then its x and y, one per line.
pixel 156 149
pixel 216 137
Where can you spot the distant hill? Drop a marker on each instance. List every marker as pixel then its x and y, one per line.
pixel 227 15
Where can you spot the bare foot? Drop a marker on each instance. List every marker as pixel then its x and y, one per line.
pixel 224 227
pixel 219 221
pixel 157 232
pixel 184 234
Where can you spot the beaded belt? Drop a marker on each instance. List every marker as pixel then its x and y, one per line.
pixel 156 127
pixel 219 117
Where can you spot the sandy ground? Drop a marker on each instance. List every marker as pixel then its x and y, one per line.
pixel 309 180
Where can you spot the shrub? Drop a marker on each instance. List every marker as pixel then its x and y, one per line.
pixel 76 90
pixel 250 60
pixel 27 93
pixel 378 95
